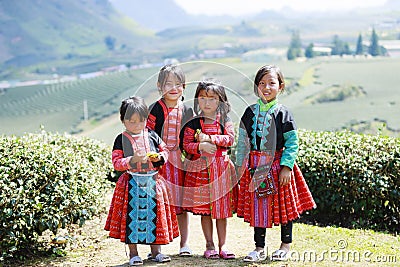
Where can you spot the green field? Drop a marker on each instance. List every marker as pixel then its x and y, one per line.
pixel 59 107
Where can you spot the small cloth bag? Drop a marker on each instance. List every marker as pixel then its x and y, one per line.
pixel 262 178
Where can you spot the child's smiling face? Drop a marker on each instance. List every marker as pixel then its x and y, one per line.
pixel 269 87
pixel 172 89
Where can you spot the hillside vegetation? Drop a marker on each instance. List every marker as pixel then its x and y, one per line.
pixel 49 181
pixel 35 31
pixel 44 38
pixel 60 106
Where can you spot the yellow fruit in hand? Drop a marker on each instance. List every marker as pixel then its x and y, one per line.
pixel 198 132
pixel 152 154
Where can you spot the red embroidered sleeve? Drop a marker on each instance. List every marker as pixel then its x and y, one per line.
pixel 119 162
pixel 190 145
pixel 151 122
pixel 225 140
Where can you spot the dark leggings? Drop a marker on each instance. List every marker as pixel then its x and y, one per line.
pixel 286 234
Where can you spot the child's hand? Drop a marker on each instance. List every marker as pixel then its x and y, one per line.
pixel 157 159
pixel 202 137
pixel 207 147
pixel 139 156
pixel 285 176
pixel 197 135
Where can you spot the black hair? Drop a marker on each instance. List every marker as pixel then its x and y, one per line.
pixel 132 105
pixel 265 70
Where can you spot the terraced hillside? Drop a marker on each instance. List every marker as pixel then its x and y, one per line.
pixel 357 93
pixel 59 107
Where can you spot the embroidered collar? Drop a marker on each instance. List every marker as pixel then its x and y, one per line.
pixel 267 106
pixel 262 122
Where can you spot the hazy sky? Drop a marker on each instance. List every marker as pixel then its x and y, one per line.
pixel 244 7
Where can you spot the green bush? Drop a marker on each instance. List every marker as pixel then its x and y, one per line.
pixel 354 178
pixel 48 181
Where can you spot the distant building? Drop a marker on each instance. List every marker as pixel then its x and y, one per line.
pixel 170 61
pixel 322 49
pixel 90 75
pixel 392 47
pixel 263 55
pixel 118 68
pixel 4 84
pixel 28 83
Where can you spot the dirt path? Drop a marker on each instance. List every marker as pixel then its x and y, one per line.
pixel 92 247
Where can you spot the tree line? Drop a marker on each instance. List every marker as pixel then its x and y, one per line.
pixel 338 47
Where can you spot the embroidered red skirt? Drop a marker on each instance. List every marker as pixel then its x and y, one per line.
pixel 211 187
pixel 172 172
pixel 286 205
pixel 166 222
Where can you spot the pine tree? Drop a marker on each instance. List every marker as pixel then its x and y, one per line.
pixel 339 47
pixel 360 48
pixel 336 45
pixel 346 49
pixel 110 42
pixel 310 51
pixel 290 54
pixel 373 49
pixel 294 50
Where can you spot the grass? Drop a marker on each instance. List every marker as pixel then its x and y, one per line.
pixel 374 127
pixel 308 77
pixel 336 93
pixel 312 246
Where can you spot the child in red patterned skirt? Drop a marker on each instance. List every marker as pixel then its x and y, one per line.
pixel 166 118
pixel 210 174
pixel 140 212
pixel 272 188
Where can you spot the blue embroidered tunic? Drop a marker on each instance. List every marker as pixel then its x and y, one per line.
pixel 264 125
